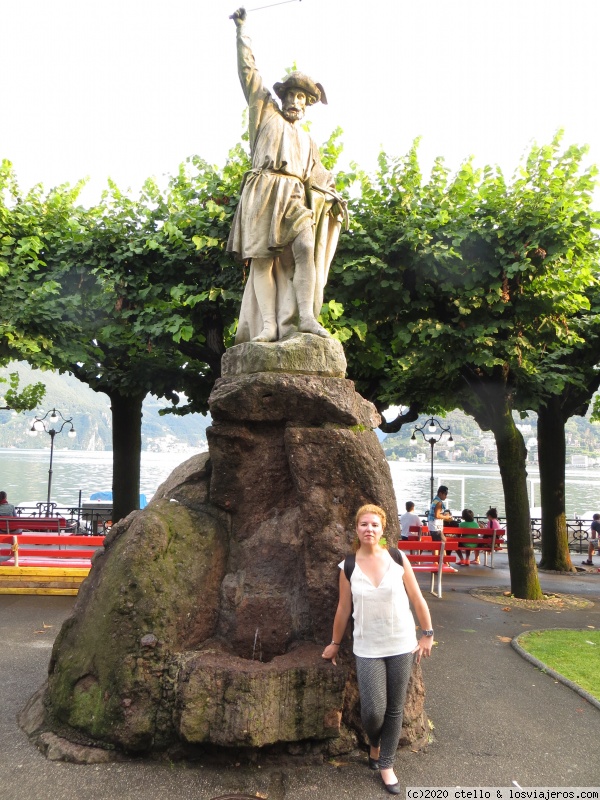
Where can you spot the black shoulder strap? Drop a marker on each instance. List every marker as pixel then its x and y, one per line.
pixel 349 563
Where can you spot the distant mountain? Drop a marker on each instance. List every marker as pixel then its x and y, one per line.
pixel 170 433
pixel 92 418
pixel 471 444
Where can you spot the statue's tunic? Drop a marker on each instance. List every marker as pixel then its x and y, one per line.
pixel 286 191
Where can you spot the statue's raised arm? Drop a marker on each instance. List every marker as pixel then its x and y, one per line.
pixel 258 98
pixel 239 17
pixel 288 219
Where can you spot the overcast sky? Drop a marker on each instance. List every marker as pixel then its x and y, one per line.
pixel 129 88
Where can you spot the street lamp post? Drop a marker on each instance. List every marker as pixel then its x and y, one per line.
pixel 39 424
pixel 434 437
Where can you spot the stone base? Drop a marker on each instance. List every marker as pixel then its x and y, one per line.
pixel 301 354
pixel 238 702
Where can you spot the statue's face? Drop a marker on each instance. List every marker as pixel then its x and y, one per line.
pixel 294 105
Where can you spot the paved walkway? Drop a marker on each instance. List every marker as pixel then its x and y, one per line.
pixel 496 718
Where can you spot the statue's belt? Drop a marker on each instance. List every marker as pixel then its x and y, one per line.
pixel 336 198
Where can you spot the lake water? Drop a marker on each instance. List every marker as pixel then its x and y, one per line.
pixel 478 486
pixel 24 476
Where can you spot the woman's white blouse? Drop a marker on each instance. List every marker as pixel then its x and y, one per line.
pixel 383 622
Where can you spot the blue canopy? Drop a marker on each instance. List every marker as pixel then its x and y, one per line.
pixel 108 496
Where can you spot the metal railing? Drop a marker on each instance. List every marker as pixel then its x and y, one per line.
pixel 79 520
pixel 578 533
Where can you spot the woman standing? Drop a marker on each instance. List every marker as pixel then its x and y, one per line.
pixel 384 641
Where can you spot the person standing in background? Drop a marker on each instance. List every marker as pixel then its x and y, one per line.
pixel 438 513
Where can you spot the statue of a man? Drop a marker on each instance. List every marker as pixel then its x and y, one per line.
pixel 289 216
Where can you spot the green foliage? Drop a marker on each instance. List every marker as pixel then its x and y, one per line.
pixel 25 400
pixel 469 277
pixel 33 228
pixel 134 295
pixel 331 150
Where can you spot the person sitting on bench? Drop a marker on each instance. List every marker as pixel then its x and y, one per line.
pixel 6 509
pixel 468 521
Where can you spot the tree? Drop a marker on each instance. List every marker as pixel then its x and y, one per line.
pixel 479 277
pixel 582 380
pixel 132 296
pixel 173 299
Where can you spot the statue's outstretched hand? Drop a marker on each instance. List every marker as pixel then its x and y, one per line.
pixel 238 16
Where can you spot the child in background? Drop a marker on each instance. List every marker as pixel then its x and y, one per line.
pixel 492 517
pixel 468 521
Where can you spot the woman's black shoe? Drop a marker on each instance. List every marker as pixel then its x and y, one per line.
pixel 373 763
pixel 392 788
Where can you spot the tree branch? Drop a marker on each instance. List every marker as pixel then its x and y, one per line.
pixel 410 415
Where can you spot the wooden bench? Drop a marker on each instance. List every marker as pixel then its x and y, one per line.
pixel 487 540
pixel 433 557
pixel 33 524
pixel 45 563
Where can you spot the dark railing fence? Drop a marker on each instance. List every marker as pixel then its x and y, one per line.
pixel 82 519
pixel 578 532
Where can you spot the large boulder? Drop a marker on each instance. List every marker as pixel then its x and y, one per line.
pixel 139 606
pixel 203 620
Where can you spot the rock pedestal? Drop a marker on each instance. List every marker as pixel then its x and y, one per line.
pixel 203 620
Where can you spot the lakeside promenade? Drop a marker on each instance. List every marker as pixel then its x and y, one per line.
pixel 496 718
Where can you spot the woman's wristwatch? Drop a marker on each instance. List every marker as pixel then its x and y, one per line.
pixel 428 632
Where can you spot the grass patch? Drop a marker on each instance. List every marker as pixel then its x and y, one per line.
pixel 575 654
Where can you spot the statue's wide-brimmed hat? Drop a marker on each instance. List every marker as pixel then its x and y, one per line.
pixel 298 80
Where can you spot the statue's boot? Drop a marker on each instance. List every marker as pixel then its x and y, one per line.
pixel 269 331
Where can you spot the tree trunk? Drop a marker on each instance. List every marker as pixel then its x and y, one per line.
pixel 512 456
pixel 552 460
pixel 127 448
pixel 494 412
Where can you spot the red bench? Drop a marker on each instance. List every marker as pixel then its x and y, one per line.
pixel 487 540
pixel 433 557
pixel 419 530
pixel 41 550
pixel 33 524
pixel 45 563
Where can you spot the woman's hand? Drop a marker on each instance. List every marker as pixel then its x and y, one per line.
pixel 423 648
pixel 331 653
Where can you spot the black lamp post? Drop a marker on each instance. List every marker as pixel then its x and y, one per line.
pixel 39 424
pixel 434 437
